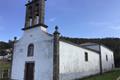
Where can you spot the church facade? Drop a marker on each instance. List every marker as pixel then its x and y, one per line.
pixel 39 55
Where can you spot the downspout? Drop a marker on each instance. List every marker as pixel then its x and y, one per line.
pixel 100 57
pixel 56 54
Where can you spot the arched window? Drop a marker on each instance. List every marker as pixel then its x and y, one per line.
pixel 30 50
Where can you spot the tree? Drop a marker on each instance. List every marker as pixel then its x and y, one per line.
pixel 5 48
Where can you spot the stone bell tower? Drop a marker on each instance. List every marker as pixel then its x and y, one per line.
pixel 35 11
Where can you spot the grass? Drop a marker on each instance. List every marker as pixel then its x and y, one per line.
pixel 5 79
pixel 4 65
pixel 113 75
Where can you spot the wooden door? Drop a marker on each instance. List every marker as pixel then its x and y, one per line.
pixel 29 71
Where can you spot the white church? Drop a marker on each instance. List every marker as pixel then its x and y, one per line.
pixel 39 55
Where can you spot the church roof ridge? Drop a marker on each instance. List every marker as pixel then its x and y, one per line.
pixel 74 44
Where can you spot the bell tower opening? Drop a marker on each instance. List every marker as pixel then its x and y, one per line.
pixel 35 11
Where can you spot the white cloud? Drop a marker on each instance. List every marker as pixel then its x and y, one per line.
pixel 52 19
pixel 115 27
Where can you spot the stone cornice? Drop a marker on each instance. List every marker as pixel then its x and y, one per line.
pixel 38 25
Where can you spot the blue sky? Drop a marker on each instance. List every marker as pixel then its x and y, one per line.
pixel 75 18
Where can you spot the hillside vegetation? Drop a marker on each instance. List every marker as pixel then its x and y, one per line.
pixel 5 48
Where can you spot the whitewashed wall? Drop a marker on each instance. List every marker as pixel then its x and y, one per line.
pixel 107 65
pixel 72 62
pixel 1 57
pixel 43 55
pixel 5 57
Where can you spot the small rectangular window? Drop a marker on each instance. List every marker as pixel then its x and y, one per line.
pixel 86 56
pixel 106 57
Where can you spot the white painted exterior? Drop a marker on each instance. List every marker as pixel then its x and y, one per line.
pixel 107 65
pixel 5 57
pixel 72 58
pixel 1 57
pixel 73 64
pixel 43 55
